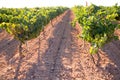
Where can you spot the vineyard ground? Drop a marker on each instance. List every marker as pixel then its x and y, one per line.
pixel 58 55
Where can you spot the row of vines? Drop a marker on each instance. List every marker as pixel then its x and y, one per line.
pixel 27 23
pixel 98 25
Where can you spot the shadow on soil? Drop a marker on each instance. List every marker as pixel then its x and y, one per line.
pixel 9 48
pixel 112 50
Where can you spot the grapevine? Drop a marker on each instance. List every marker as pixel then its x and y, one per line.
pixel 97 24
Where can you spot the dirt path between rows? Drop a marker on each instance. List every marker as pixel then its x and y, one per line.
pixel 57 54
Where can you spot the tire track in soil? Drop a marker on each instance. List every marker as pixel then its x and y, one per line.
pixel 59 66
pixel 67 66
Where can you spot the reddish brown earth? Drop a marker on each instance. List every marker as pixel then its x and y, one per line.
pixel 58 55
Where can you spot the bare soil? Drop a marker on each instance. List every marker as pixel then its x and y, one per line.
pixel 57 54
